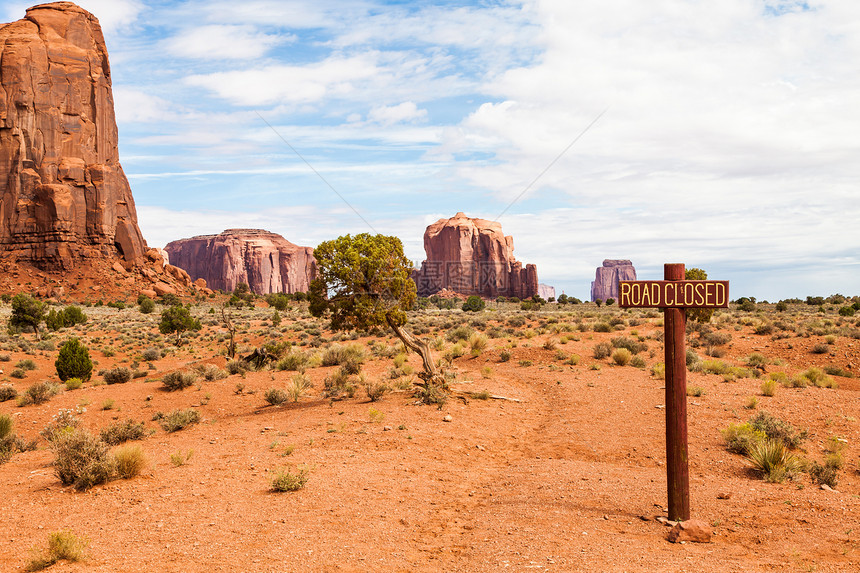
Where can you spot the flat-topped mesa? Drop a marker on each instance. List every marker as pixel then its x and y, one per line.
pixel 265 261
pixel 473 257
pixel 63 195
pixel 606 279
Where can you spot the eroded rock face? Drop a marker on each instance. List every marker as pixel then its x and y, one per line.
pixel 605 283
pixel 473 257
pixel 265 261
pixel 63 194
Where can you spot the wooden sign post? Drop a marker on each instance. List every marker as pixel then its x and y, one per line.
pixel 673 295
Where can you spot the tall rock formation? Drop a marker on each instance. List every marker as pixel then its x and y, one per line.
pixel 473 257
pixel 605 283
pixel 546 292
pixel 265 261
pixel 64 198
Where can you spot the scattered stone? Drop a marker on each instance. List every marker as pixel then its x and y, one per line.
pixel 387 428
pixel 448 418
pixel 724 495
pixel 693 530
pixel 666 521
pixel 826 487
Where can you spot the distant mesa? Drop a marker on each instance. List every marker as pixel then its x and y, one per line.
pixel 64 198
pixel 605 283
pixel 472 257
pixel 546 292
pixel 265 261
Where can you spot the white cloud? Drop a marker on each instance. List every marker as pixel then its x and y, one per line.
pixel 275 84
pixel 389 115
pixel 113 15
pixel 224 42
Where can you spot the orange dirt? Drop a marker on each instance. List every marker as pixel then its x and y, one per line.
pixel 568 478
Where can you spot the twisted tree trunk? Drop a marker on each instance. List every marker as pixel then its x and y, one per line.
pixel 422 348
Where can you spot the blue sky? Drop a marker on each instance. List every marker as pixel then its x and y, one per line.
pixel 730 139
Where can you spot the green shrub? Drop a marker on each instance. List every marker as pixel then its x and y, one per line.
pixel 659 371
pixel 504 356
pixel 74 361
pixel 81 459
pixel 122 432
pixel 284 480
pixel 740 437
pixel 474 304
pixel 179 419
pixel 777 430
pixel 351 356
pixel 146 305
pixel 638 362
pixel 633 346
pixel 293 361
pixel 18 373
pixel 461 332
pixel 602 327
pixel 768 388
pixel 73 383
pixel 275 396
pixel 178 380
pixel 773 460
pixel 62 546
pixel 715 367
pixel 119 375
pixel 818 378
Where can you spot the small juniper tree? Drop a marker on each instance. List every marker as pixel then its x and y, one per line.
pixel 363 282
pixel 474 304
pixel 74 361
pixel 698 314
pixel 26 312
pixel 177 319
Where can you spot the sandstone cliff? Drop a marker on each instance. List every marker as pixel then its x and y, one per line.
pixel 606 279
pixel 265 261
pixel 473 256
pixel 64 197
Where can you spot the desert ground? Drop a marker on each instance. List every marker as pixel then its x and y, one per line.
pixel 544 456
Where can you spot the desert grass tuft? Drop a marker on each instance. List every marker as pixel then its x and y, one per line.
pixel 62 546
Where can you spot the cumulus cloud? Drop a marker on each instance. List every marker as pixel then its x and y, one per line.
pixel 224 42
pixel 113 15
pixel 391 114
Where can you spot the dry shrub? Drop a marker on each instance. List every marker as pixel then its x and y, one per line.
pixel 173 381
pixel 123 432
pixel 178 419
pixel 81 459
pixel 130 461
pixel 62 545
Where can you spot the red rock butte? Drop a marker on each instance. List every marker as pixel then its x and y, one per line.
pixel 606 278
pixel 473 257
pixel 265 261
pixel 63 195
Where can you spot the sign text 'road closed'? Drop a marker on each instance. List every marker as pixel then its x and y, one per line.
pixel 673 294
